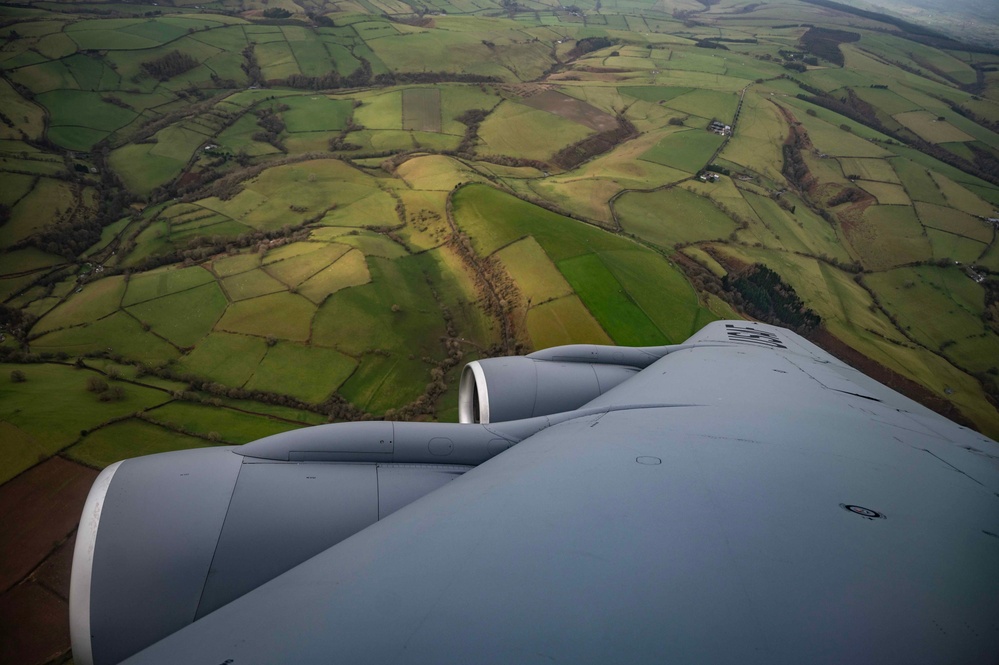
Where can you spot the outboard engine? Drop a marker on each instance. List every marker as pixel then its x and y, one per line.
pixel 554 380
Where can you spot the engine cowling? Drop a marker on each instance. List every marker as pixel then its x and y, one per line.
pixel 498 390
pixel 166 539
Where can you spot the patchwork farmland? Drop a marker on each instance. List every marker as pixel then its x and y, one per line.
pixel 221 221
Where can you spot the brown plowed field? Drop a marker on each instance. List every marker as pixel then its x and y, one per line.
pixel 39 510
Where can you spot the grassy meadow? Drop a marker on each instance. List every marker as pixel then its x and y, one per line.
pixel 242 225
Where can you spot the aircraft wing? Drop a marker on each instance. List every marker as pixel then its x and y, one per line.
pixel 743 497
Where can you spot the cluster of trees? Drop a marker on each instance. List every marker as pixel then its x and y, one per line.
pixel 15 322
pixel 73 233
pixel 272 125
pixel 104 392
pixel 765 296
pixel 573 155
pixel 340 142
pixel 202 247
pixel 471 118
pixel 251 67
pixel 172 64
pixel 846 195
pixel 588 45
pixel 795 169
pixel 710 43
pixel 824 43
pixel 331 80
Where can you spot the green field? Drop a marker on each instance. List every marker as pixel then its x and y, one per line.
pixel 323 371
pixel 536 277
pixel 354 233
pixel 908 292
pixel 129 438
pixel 183 318
pixel 521 131
pixel 47 412
pixel 672 216
pixel 250 317
pixel 890 236
pixel 564 321
pixel 370 317
pixel 688 151
pixel 421 109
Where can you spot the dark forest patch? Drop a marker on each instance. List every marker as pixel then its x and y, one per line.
pixel 824 43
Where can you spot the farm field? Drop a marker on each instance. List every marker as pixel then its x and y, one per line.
pixel 237 225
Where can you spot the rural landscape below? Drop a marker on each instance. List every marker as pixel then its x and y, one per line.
pixel 223 220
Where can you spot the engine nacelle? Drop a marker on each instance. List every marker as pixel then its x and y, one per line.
pixel 166 539
pixel 498 390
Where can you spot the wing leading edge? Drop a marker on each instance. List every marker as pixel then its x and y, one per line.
pixel 792 510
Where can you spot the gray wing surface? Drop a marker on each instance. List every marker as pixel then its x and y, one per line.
pixel 793 511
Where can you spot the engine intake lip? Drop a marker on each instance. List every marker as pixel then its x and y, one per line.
pixel 83 567
pixel 473 395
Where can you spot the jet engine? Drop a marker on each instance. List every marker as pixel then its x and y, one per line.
pixel 166 539
pixel 555 380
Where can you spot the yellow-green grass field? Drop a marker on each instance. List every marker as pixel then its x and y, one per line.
pixel 225 358
pixel 929 128
pixel 536 277
pixel 799 231
pixel 374 244
pixel 563 321
pixel 162 282
pixel 494 219
pixel 941 308
pixel 396 310
pixel 886 193
pixel 624 309
pixel 436 172
pixel 96 300
pixel 953 247
pixel 231 425
pixel 868 169
pixel 316 113
pixel 351 269
pixel 759 135
pixel 47 412
pixel 295 270
pixel 256 317
pixel 421 109
pixel 918 183
pixel 689 151
pixel 319 372
pixel 37 208
pixel 141 169
pixel 672 216
pixel 889 236
pixel 129 438
pixel 251 284
pixel 845 312
pixel 955 221
pixel 959 197
pixel 383 382
pixel 184 317
pixel 706 104
pixel 233 265
pixel 118 333
pixel 521 131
